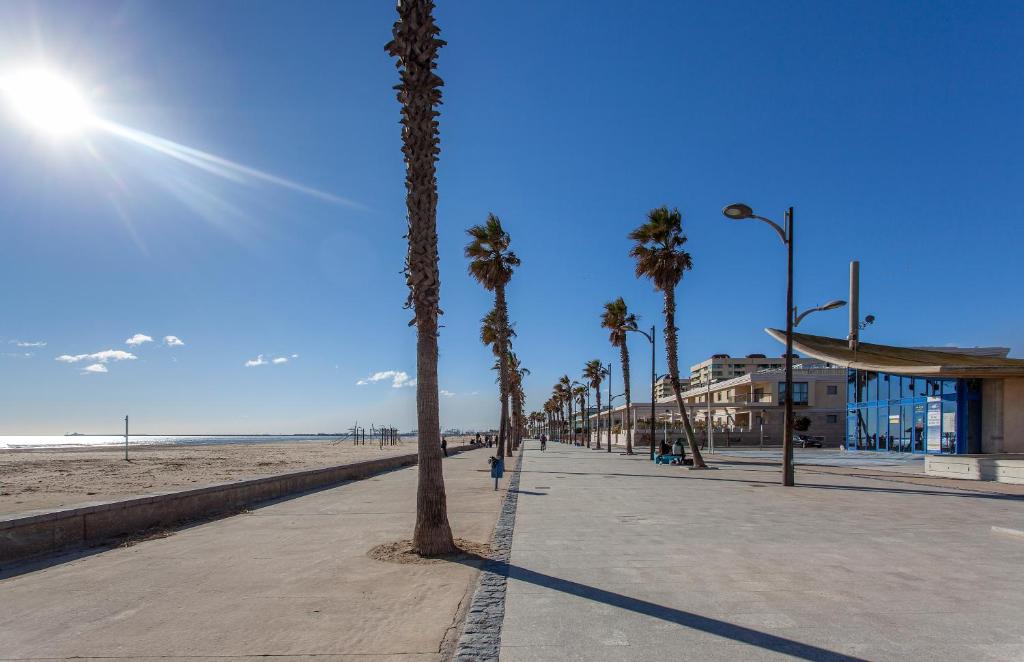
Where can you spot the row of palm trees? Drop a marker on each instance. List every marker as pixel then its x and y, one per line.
pixel 657 249
pixel 492 263
pixel 660 256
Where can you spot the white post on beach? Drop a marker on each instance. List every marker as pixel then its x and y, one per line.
pixel 126 437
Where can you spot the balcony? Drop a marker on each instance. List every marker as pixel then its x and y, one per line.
pixel 744 399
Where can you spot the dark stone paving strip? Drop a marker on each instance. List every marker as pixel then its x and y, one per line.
pixel 481 637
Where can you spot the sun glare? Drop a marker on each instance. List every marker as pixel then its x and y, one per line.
pixel 46 101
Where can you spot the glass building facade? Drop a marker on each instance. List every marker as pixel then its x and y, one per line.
pixel 906 414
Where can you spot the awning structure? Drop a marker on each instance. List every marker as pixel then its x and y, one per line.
pixel 902 360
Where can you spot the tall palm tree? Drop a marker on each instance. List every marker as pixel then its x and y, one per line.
pixel 549 409
pixel 491 264
pixel 558 398
pixel 565 391
pixel 538 419
pixel 618 320
pixel 517 372
pixel 490 335
pixel 659 254
pixel 415 44
pixel 580 394
pixel 593 372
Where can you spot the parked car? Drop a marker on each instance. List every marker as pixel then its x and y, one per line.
pixel 806 440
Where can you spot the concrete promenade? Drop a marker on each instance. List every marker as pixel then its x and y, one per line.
pixel 290 580
pixel 614 558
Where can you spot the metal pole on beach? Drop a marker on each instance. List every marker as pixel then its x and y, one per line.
pixel 126 437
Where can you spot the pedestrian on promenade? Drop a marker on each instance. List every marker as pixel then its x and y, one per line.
pixel 478 439
pixel 444 446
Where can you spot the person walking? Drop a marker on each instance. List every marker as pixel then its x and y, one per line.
pixel 444 446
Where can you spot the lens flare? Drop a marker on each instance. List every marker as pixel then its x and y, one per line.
pixel 48 103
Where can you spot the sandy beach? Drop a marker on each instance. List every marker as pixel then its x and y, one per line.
pixel 41 479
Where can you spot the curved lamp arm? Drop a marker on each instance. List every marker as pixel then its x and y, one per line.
pixel 775 226
pixel 641 332
pixel 831 305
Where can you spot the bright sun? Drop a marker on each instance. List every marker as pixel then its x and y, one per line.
pixel 46 101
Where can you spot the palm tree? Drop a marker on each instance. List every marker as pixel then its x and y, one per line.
pixel 558 399
pixel 491 264
pixel 490 335
pixel 565 386
pixel 549 409
pixel 658 251
pixel 415 44
pixel 537 419
pixel 618 320
pixel 593 372
pixel 517 372
pixel 580 394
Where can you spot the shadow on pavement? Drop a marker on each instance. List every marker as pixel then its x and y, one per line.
pixel 736 633
pixel 959 493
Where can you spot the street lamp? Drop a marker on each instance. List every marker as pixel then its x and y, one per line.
pixel 654 378
pixel 608 371
pixel 740 212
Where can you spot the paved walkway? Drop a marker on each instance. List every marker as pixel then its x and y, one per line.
pixel 290 580
pixel 614 558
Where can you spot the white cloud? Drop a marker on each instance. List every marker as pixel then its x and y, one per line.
pixel 259 360
pixel 138 339
pixel 173 341
pixel 29 343
pixel 263 360
pixel 95 367
pixel 397 377
pixel 295 356
pixel 446 394
pixel 100 357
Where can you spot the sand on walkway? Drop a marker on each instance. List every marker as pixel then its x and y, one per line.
pixel 40 479
pixel 291 579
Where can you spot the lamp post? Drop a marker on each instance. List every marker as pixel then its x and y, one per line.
pixel 654 378
pixel 625 418
pixel 740 212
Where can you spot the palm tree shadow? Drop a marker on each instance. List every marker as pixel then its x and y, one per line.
pixel 737 633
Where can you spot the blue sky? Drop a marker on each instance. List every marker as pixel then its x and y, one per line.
pixel 893 128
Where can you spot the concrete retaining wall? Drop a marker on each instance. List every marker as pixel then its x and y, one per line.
pixel 24 536
pixel 999 468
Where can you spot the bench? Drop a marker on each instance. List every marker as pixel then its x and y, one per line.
pixel 668 458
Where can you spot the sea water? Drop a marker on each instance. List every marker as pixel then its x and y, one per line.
pixel 91 440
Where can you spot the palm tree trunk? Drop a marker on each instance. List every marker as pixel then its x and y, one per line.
pixel 583 415
pixel 572 428
pixel 502 307
pixel 415 44
pixel 503 338
pixel 671 346
pixel 627 421
pixel 598 416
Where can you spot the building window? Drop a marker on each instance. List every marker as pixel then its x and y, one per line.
pixel 832 389
pixel 832 418
pixel 799 393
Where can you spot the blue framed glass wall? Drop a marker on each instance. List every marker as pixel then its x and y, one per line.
pixel 911 414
